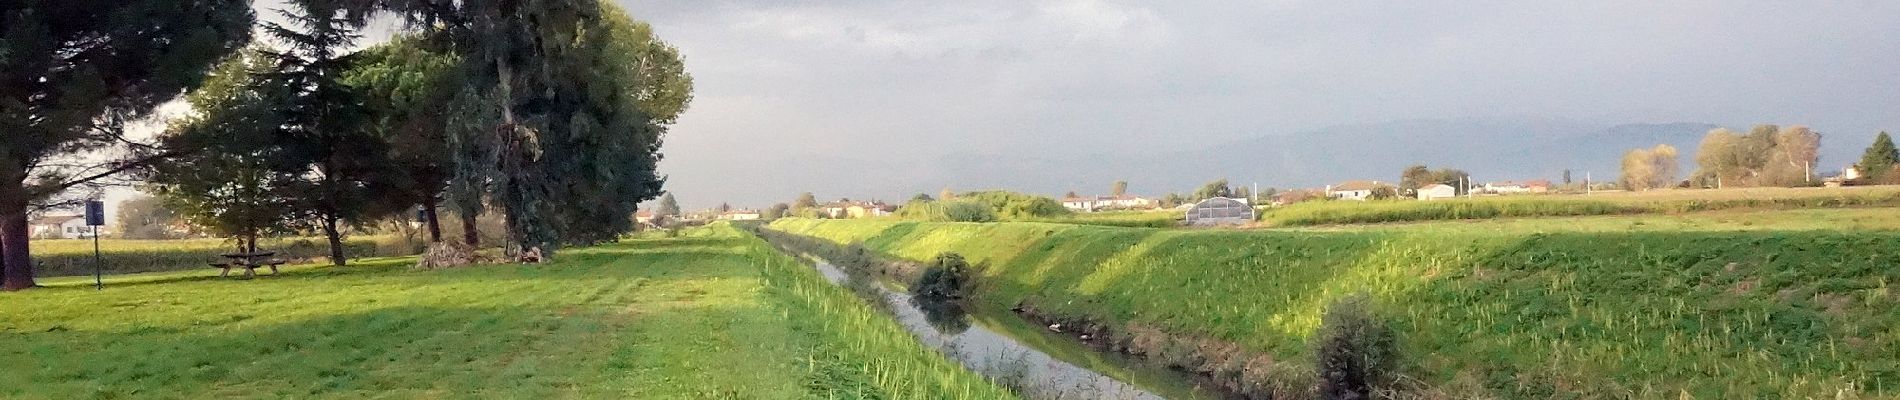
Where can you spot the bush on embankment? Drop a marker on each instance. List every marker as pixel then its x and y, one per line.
pixel 75 257
pixel 1599 315
pixel 1362 212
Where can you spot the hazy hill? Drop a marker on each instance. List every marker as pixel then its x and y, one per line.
pixel 1490 150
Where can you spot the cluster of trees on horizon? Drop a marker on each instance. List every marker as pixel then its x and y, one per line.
pixel 549 113
pixel 1768 155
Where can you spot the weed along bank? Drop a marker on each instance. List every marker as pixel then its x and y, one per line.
pixel 1716 314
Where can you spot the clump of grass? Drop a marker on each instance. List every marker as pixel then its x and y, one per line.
pixel 1356 352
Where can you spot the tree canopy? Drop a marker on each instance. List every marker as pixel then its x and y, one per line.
pixel 72 74
pixel 1768 155
pixel 1878 162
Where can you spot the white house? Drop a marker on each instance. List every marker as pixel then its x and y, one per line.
pixel 1437 192
pixel 741 215
pixel 1079 204
pixel 1353 190
pixel 1126 202
pixel 63 227
pixel 1122 202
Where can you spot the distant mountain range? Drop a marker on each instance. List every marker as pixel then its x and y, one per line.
pixel 1489 149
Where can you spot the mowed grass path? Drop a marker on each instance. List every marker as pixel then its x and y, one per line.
pixel 707 316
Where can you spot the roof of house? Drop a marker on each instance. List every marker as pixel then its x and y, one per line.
pixel 1359 185
pixel 1436 185
pixel 643 213
pixel 54 219
pixel 1124 196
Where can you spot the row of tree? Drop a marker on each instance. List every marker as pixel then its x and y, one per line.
pixel 549 112
pixel 1768 155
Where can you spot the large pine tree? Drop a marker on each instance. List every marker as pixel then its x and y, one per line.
pixel 1879 159
pixel 326 129
pixel 72 72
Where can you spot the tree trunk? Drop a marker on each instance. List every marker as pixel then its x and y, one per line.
pixel 435 224
pixel 336 241
pixel 14 252
pixel 471 234
pixel 16 259
pixel 510 153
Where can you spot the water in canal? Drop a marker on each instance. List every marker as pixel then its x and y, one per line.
pixel 1038 363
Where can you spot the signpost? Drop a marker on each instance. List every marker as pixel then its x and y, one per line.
pixel 96 217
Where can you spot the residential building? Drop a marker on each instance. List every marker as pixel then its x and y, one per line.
pixel 61 227
pixel 1354 190
pixel 1079 204
pixel 741 215
pixel 1122 202
pixel 855 209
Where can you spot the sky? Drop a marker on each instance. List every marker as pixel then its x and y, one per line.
pixel 867 99
pixel 856 98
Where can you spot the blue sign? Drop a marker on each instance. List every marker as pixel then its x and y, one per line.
pixel 95 213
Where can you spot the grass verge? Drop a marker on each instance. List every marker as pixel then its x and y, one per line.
pixel 710 314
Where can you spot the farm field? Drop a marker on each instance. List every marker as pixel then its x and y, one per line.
pixel 711 314
pixel 1520 310
pixel 1614 203
pixel 1848 219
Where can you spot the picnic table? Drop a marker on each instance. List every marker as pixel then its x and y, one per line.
pixel 250 262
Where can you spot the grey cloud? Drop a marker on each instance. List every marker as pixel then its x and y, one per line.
pixel 789 89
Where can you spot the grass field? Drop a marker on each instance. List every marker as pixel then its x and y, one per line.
pixel 712 314
pixel 64 257
pixel 1132 219
pixel 1614 203
pixel 1510 312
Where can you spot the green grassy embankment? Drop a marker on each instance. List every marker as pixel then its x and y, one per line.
pixel 711 314
pixel 74 256
pixel 1654 202
pixel 1512 314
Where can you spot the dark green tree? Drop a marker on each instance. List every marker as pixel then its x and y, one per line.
pixel 1879 159
pixel 325 125
pixel 1118 189
pixel 1414 177
pixel 776 211
pixel 668 207
pixel 922 197
pixel 805 200
pixel 1217 188
pixel 409 90
pixel 72 72
pixel 242 182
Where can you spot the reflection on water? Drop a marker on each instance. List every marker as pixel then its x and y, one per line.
pixel 1037 363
